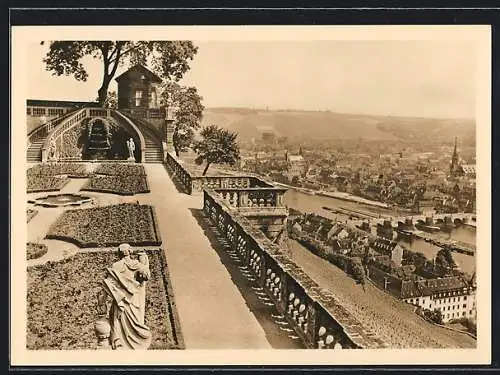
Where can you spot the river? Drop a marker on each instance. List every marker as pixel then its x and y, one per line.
pixel 314 203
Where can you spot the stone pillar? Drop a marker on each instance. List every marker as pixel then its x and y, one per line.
pixel 282 304
pixel 311 331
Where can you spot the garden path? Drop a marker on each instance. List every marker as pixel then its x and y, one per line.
pixel 212 311
pixel 39 225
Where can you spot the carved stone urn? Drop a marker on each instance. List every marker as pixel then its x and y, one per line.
pixel 102 330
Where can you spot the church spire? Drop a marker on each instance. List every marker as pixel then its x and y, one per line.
pixel 454 158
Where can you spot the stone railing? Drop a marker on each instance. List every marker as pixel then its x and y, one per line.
pixel 99 112
pixel 180 173
pixel 316 316
pixel 196 184
pixel 251 199
pixel 66 124
pixel 147 113
pixel 44 130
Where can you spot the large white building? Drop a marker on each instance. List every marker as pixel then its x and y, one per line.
pixel 453 296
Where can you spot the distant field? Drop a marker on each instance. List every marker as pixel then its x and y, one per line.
pixel 328 125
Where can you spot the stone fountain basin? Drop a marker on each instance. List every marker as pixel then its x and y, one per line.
pixel 61 200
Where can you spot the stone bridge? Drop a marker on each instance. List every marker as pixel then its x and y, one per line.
pixel 408 222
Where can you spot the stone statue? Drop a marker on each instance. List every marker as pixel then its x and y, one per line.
pixel 131 149
pixel 52 150
pixel 125 285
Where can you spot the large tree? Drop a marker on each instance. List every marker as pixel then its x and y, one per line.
pixel 169 59
pixel 216 146
pixel 188 112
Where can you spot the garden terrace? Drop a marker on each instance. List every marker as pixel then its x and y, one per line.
pixel 306 306
pixel 39 183
pixel 120 169
pixel 35 250
pixel 62 302
pixel 30 214
pixel 193 182
pixel 107 226
pixel 117 184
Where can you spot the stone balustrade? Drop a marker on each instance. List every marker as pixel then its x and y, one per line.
pixel 316 316
pixel 147 113
pixel 196 184
pixel 62 127
pixel 259 197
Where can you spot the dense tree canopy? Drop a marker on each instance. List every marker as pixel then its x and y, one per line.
pixel 188 112
pixel 169 59
pixel 217 146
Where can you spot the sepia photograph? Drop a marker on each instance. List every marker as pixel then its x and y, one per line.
pixel 250 195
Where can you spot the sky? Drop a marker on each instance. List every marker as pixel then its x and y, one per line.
pixel 403 78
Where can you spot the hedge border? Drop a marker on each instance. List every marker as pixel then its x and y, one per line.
pixel 86 187
pixel 107 191
pixel 173 314
pixel 85 245
pixel 155 224
pixel 66 181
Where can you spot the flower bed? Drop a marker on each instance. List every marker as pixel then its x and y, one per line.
pixel 123 185
pixel 54 169
pixel 107 226
pixel 39 183
pixel 62 302
pixel 52 176
pixel 30 214
pixel 117 169
pixel 35 250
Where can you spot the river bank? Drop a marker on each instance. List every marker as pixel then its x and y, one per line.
pixel 337 195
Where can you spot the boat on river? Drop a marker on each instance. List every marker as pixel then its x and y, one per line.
pixel 427 227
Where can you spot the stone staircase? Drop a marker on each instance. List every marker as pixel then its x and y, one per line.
pixel 153 152
pixel 34 153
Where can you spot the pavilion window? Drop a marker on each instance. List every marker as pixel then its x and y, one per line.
pixel 138 97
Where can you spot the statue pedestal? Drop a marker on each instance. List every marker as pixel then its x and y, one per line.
pixel 131 159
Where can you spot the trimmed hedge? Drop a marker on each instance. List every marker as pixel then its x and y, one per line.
pixel 35 250
pixel 107 226
pixel 121 185
pixel 115 169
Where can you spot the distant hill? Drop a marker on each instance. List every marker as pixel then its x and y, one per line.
pixel 250 123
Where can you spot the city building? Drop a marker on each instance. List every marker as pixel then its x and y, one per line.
pixel 454 297
pixel 296 166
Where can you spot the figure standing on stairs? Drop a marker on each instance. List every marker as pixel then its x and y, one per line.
pixel 131 149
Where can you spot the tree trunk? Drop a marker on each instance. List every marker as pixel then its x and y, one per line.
pixel 206 168
pixel 103 92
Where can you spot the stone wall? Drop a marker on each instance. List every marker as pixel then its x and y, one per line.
pixel 316 316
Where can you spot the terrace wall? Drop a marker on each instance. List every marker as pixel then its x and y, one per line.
pixel 305 305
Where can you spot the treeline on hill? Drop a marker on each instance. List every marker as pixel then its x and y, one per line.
pixel 328 125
